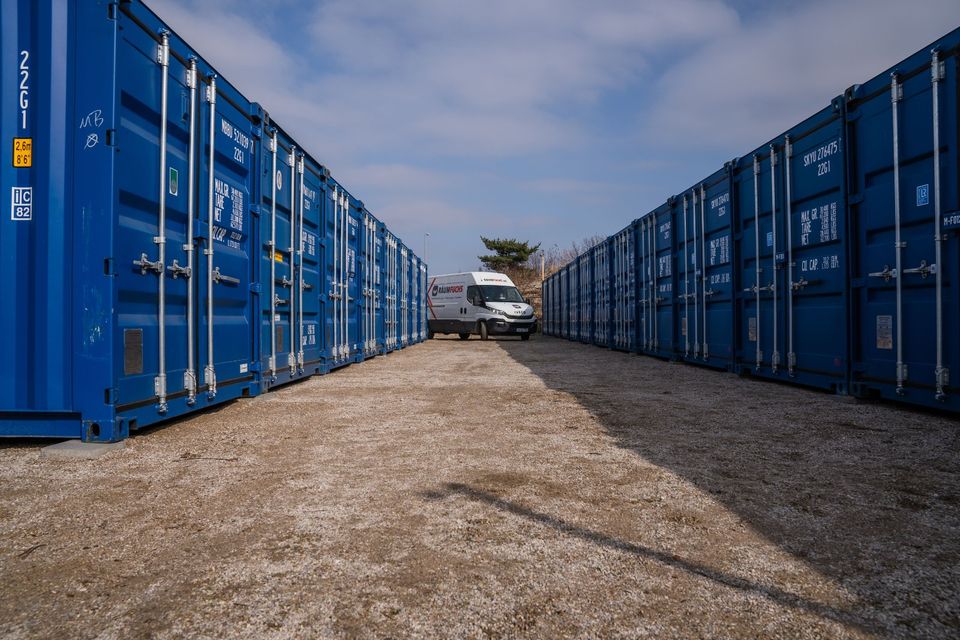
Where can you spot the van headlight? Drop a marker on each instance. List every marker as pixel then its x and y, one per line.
pixel 496 311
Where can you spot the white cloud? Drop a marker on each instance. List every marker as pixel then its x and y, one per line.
pixel 491 78
pixel 750 84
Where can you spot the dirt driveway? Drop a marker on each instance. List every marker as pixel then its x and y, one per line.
pixel 497 489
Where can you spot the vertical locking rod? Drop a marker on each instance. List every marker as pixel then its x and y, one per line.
pixel 209 372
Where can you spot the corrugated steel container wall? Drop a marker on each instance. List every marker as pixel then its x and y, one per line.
pixel 291 238
pixel 546 315
pixel 622 268
pixel 555 304
pixel 405 292
pixel 665 331
pixel 794 305
pixel 705 276
pixel 646 282
pixel 573 288
pixel 688 277
pixel 391 282
pixel 565 302
pixel 717 279
pixel 354 292
pixel 422 302
pixel 585 296
pixel 39 368
pixel 414 294
pixel 902 137
pixel 368 284
pixel 382 287
pixel 135 302
pixel 815 279
pixel 338 275
pixel 601 294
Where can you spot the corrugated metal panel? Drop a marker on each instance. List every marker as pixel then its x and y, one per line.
pixel 791 205
pixel 601 294
pixel 664 317
pixel 585 296
pixel 623 267
pixel 38 365
pixel 902 128
pixel 717 286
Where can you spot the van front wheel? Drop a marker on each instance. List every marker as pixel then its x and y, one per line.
pixel 483 331
pixel 524 336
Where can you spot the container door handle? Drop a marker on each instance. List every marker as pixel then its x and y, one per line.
pixel 220 278
pixel 178 270
pixel 887 274
pixel 146 264
pixel 924 269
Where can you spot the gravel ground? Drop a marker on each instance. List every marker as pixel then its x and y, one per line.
pixel 497 489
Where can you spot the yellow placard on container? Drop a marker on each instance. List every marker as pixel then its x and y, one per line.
pixel 277 256
pixel 22 153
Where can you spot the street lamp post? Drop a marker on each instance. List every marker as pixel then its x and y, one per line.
pixel 425 236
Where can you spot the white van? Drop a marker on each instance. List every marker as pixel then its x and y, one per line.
pixel 478 302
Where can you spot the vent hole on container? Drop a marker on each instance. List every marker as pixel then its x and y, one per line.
pixel 94 430
pixel 245 393
pixel 133 425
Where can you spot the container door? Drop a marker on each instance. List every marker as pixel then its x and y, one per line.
pixel 574 294
pixel 599 294
pixel 353 291
pixel 280 186
pixel 688 279
pixel 404 296
pixel 338 224
pixel 380 288
pixel 183 302
pixel 630 288
pixel 904 208
pixel 309 272
pixel 664 330
pixel 390 311
pixel 153 266
pixel 716 266
pixel 224 275
pixel 586 298
pixel 760 259
pixel 646 273
pixel 564 315
pixel 368 304
pixel 814 288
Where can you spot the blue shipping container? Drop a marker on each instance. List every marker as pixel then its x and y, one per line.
pixel 902 136
pixel 168 246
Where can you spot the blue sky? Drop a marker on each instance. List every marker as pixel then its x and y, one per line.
pixel 548 121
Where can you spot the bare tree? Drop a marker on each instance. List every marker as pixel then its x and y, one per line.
pixel 556 257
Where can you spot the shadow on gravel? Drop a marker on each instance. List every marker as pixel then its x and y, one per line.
pixel 866 494
pixel 773 594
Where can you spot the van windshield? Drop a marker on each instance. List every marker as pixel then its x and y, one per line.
pixel 494 293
